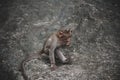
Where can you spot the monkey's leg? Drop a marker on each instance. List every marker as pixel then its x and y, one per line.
pixel 52 59
pixel 61 56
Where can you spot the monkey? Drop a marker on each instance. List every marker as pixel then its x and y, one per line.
pixel 51 47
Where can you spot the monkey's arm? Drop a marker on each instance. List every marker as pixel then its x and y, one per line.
pixel 66 60
pixel 60 55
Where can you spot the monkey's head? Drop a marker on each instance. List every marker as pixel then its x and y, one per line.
pixel 65 36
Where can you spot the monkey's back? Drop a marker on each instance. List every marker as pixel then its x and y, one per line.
pixel 50 42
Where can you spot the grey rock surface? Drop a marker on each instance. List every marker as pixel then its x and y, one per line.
pixel 95 48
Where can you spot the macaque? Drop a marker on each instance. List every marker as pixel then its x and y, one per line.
pixel 52 47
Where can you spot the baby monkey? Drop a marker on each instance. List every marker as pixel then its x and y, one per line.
pixel 51 47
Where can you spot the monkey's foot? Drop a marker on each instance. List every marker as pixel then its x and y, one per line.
pixel 53 67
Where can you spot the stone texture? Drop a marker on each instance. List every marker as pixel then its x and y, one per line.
pixel 25 24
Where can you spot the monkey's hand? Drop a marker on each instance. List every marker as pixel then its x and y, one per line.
pixel 68 61
pixel 53 67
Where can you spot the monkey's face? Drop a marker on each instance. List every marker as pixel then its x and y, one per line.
pixel 65 36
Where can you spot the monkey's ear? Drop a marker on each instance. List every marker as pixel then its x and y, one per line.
pixel 60 32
